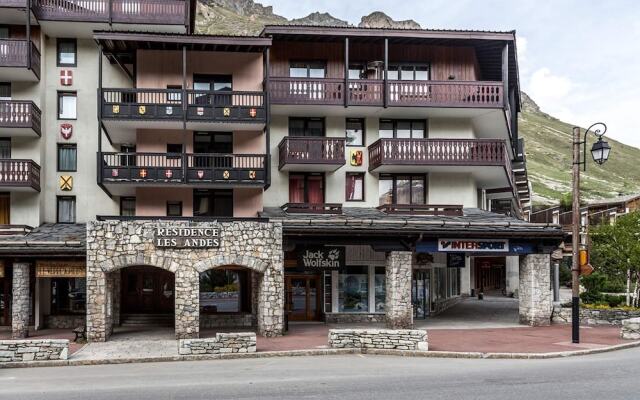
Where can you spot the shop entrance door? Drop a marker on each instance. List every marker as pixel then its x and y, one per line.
pixel 420 293
pixel 147 290
pixel 5 301
pixel 303 297
pixel 491 275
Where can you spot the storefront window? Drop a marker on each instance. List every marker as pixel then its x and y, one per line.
pixel 68 296
pixel 381 292
pixel 353 289
pixel 223 291
pixel 441 283
pixel 453 288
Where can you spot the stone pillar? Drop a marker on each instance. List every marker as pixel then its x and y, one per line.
pixel 271 300
pixel 20 305
pixel 398 309
pixel 187 308
pixel 512 270
pixel 535 290
pixel 96 304
pixel 117 294
pixel 465 277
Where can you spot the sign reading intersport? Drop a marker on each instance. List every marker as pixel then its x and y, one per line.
pixel 186 237
pixel 474 245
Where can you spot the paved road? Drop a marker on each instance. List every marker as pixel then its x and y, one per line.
pixel 610 376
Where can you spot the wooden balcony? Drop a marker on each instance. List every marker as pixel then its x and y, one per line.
pixel 312 208
pixel 19 118
pixel 19 175
pixel 422 209
pixel 125 110
pixel 13 3
pixel 144 12
pixel 311 154
pixel 169 169
pixel 326 91
pixel 19 61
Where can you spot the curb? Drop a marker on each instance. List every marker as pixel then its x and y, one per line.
pixel 323 352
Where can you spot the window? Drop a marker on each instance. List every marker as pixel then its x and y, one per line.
pixel 5 91
pixel 174 151
pixel 174 208
pixel 306 127
pixel 453 286
pixel 225 290
pixel 67 157
pixel 67 52
pixel 380 289
pixel 354 186
pixel 68 296
pixel 128 206
pixel 353 289
pixel 408 72
pixel 5 147
pixel 306 188
pixel 356 71
pixel 355 131
pixel 441 283
pixel 307 69
pixel 402 189
pixel 213 203
pixel 66 105
pixel 402 129
pixel 66 209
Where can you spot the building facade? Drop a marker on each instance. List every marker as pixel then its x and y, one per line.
pixel 152 176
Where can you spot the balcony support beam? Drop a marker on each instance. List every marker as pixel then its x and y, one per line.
pixel 505 76
pixel 386 73
pixel 346 72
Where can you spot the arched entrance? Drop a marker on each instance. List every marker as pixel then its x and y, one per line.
pixel 147 296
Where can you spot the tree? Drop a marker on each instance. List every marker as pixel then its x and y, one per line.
pixel 615 249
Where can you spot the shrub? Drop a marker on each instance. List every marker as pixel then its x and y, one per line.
pixel 591 297
pixel 613 300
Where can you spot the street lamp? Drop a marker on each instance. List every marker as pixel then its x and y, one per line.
pixel 600 153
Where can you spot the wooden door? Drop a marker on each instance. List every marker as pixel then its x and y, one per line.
pixel 303 297
pixel 147 290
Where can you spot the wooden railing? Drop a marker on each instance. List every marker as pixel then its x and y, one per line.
pixel 14 53
pixel 438 152
pixel 422 209
pixel 168 104
pixel 19 174
pixel 312 208
pixel 311 150
pixel 20 114
pixel 181 168
pixel 370 92
pixel 160 12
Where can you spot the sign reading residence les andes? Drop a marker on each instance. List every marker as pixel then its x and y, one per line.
pixel 186 237
pixel 474 245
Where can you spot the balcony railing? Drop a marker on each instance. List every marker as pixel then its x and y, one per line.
pixel 14 3
pixel 19 174
pixel 168 104
pixel 14 53
pixel 312 208
pixel 422 209
pixel 180 168
pixel 311 150
pixel 451 152
pixel 155 12
pixel 20 114
pixel 330 91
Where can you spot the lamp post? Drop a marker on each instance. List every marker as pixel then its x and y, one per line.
pixel 600 153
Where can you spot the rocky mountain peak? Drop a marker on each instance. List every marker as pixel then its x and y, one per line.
pixel 318 18
pixel 378 19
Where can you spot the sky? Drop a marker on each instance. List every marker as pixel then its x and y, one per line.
pixel 579 59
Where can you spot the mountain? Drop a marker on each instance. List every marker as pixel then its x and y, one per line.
pixel 547 139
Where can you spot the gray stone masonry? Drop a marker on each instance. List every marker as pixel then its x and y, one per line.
pixel 113 245
pixel 389 339
pixel 20 306
pixel 243 342
pixel 611 317
pixel 398 307
pixel 535 296
pixel 33 350
pixel 630 329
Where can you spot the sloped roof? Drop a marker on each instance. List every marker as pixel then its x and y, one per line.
pixel 47 239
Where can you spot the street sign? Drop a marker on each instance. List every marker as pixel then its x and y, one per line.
pixel 586 270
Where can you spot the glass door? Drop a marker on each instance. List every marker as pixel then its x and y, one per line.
pixel 420 294
pixel 303 298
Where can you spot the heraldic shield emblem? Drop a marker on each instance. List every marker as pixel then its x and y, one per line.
pixel 66 130
pixel 142 110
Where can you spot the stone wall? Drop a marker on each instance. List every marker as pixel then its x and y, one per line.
pixel 222 343
pixel 227 320
pixel 353 318
pixel 534 295
pixel 389 339
pixel 20 309
pixel 612 317
pixel 113 245
pixel 630 329
pixel 64 321
pixel 398 307
pixel 443 305
pixel 33 350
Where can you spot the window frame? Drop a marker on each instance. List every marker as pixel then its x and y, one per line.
pixel 174 203
pixel 60 198
pixel 245 306
pixel 59 42
pixel 306 121
pixel 65 93
pixel 399 66
pixel 364 131
pixel 306 176
pixel 60 146
pixel 394 193
pixel 395 127
pixel 5 85
pixel 354 173
pixel 308 66
pixel 127 198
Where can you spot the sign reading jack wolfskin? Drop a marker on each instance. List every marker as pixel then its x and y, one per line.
pixel 321 258
pixel 477 245
pixel 186 237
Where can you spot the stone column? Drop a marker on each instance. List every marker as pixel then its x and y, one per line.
pixel 535 295
pixel 96 304
pixel 20 307
pixel 398 309
pixel 512 270
pixel 271 300
pixel 187 308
